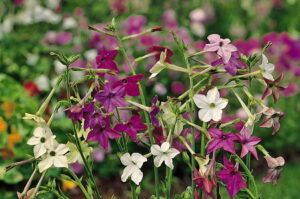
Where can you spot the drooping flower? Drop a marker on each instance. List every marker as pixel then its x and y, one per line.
pixel 131 128
pixel 235 62
pixel 232 177
pixel 159 49
pixel 267 68
pixel 221 140
pixel 41 136
pixel 273 88
pixel 248 142
pixel 130 84
pixel 111 97
pixel 154 111
pixel 275 168
pixel 210 105
pixel 222 46
pixel 102 132
pixel 105 60
pixel 164 153
pixel 75 113
pixel 133 164
pixel 158 66
pixel 55 156
pixel 272 119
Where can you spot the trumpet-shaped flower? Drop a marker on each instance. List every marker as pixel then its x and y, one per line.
pixel 55 156
pixel 133 167
pixel 221 140
pixel 159 65
pixel 159 50
pixel 248 142
pixel 105 60
pixel 164 153
pixel 275 168
pixel 41 136
pixel 267 68
pixel 210 105
pixel 272 119
pixel 130 84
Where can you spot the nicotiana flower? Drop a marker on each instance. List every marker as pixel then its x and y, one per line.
pixel 248 142
pixel 55 156
pixel 130 84
pixel 111 97
pixel 221 140
pixel 169 116
pixel 88 109
pixel 232 177
pixel 41 136
pixel 102 132
pixel 267 68
pixel 131 128
pixel 210 105
pixel 273 88
pixel 222 46
pixel 272 119
pixel 133 164
pixel 275 168
pixel 75 113
pixel 164 153
pixel 159 49
pixel 105 59
pixel 154 111
pixel 74 155
pixel 159 65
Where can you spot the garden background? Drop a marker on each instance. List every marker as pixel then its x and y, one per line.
pixel 31 29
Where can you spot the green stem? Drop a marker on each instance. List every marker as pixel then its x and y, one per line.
pixel 202 151
pixel 133 193
pixel 169 182
pixel 38 185
pixel 27 186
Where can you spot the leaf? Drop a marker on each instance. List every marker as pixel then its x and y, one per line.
pixel 13 177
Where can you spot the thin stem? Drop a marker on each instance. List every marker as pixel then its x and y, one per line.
pixel 9 167
pixel 182 96
pixel 133 193
pixel 27 186
pixel 169 181
pixel 101 31
pixel 202 151
pixel 231 122
pixel 197 127
pixel 145 56
pixel 38 185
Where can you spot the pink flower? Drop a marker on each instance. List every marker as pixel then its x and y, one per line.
pixel 248 142
pixel 221 46
pixel 275 168
pixel 291 89
pixel 130 84
pixel 105 59
pixel 159 50
pixel 221 140
pixel 272 119
pixel 273 88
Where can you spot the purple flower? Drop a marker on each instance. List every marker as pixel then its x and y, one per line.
pixel 75 113
pixel 134 24
pixel 291 89
pixel 275 168
pixel 87 112
pixel 272 119
pixel 98 155
pixel 105 60
pixel 221 140
pixel 203 183
pixel 111 97
pixel 154 111
pixel 130 84
pixel 63 38
pixel 248 142
pixel 101 133
pixel 132 126
pixel 77 167
pixel 232 177
pixel 221 46
pixel 248 47
pixel 235 62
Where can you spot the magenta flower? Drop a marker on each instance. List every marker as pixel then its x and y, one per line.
pixel 159 50
pixel 203 183
pixel 111 97
pixel 75 113
pixel 275 168
pixel 105 60
pixel 221 46
pixel 272 119
pixel 96 119
pixel 87 111
pixel 102 133
pixel 232 177
pixel 130 84
pixel 248 47
pixel 235 62
pixel 154 111
pixel 248 142
pixel 221 140
pixel 131 128
pixel 291 89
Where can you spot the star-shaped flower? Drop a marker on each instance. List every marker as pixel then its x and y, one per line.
pixel 210 105
pixel 267 68
pixel 164 153
pixel 130 84
pixel 221 140
pixel 248 142
pixel 105 60
pixel 273 88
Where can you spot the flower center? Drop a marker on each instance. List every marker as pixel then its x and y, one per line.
pixel 124 81
pixel 129 124
pixel 52 153
pixel 43 140
pixel 102 59
pixel 111 95
pixel 212 105
pixel 224 137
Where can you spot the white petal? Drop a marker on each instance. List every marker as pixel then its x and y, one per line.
pixel 45 164
pixel 39 150
pixel 61 149
pixel 158 160
pixel 172 152
pixel 155 149
pixel 51 143
pixel 39 132
pixel 268 76
pixel 213 95
pixel 216 114
pixel 168 162
pixel 264 60
pixel 178 128
pixel 221 103
pixel 269 68
pixel 60 161
pixel 34 141
pixel 138 159
pixel 205 114
pixel 165 146
pixel 137 176
pixel 126 159
pixel 201 101
pixel 127 172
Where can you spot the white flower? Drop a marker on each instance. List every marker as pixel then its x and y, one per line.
pixel 164 154
pixel 159 66
pixel 55 156
pixel 41 136
pixel 210 105
pixel 133 164
pixel 42 83
pixel 267 68
pixel 69 22
pixel 37 119
pixel 91 54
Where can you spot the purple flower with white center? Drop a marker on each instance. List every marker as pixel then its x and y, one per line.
pixel 221 140
pixel 235 62
pixel 111 97
pixel 87 111
pixel 154 111
pixel 102 133
pixel 130 84
pixel 105 60
pixel 132 126
pixel 248 142
pixel 75 113
pixel 222 46
pixel 232 177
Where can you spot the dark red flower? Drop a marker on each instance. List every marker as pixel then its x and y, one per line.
pixel 159 50
pixel 273 88
pixel 130 84
pixel 272 119
pixel 105 60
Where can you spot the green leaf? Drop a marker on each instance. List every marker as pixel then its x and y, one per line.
pixel 13 177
